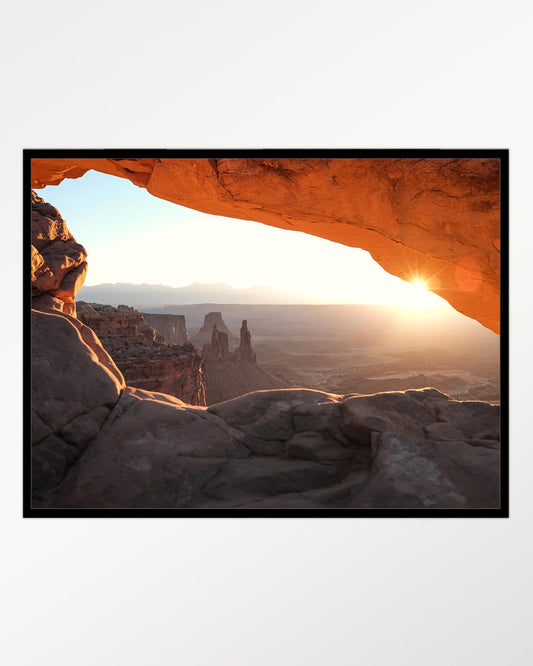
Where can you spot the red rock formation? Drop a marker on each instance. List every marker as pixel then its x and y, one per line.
pixel 230 374
pixel 113 324
pixel 244 351
pixel 58 263
pixel 212 319
pixel 218 349
pixel 431 219
pixel 145 363
pixel 171 328
pixel 169 369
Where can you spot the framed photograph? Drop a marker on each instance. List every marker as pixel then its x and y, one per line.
pixel 249 333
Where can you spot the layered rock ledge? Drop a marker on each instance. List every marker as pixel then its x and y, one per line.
pixel 170 328
pixel 145 362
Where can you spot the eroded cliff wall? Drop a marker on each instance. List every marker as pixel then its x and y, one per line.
pixel 154 366
pixel 171 328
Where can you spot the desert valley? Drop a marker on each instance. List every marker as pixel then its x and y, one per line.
pixel 333 348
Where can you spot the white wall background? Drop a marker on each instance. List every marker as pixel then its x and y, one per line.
pixel 232 592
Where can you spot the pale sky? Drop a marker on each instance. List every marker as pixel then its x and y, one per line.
pixel 132 236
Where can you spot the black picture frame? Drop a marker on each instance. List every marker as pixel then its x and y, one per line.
pixel 501 512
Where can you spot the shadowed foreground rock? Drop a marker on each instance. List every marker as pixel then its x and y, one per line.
pixel 290 448
pixel 75 384
pixel 97 443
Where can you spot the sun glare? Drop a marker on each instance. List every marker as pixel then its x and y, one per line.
pixel 420 298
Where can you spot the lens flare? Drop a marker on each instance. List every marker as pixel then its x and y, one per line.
pixel 419 298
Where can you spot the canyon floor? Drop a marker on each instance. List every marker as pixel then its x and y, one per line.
pixel 366 349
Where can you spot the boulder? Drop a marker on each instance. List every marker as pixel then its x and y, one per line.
pixel 152 452
pixel 72 374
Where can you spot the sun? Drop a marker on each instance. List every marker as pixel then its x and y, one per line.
pixel 417 296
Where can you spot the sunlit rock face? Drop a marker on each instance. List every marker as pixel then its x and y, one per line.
pixel 58 263
pixel 121 326
pixel 436 220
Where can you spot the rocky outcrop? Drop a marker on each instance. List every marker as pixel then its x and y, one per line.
pixel 292 448
pixel 437 220
pixel 244 351
pixel 171 329
pixel 58 263
pixel 116 327
pixel 213 319
pixel 229 374
pixel 145 363
pixel 75 384
pixel 218 349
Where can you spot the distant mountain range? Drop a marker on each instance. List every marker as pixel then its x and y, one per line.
pixel 153 295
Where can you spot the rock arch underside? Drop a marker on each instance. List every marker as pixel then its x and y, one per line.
pixel 97 443
pixel 433 219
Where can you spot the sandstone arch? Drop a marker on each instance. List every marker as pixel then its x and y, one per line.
pixel 432 219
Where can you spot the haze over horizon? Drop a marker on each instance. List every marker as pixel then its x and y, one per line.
pixel 127 293
pixel 133 237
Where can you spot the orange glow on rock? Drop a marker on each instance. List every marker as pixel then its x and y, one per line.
pixel 468 275
pixel 441 215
